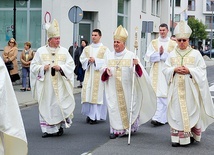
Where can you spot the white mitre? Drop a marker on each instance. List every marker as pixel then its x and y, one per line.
pixel 121 34
pixel 53 30
pixel 182 30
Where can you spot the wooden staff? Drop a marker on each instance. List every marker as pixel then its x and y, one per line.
pixel 133 83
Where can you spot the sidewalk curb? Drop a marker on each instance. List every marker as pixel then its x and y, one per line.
pixel 34 102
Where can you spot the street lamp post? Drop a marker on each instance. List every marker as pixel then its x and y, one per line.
pixel 211 35
pixel 14 17
pixel 173 7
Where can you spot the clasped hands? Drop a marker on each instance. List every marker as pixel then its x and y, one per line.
pixel 91 60
pixel 182 70
pixel 56 67
pixel 161 50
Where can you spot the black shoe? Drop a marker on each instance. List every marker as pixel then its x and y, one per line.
pixel 192 140
pixel 175 144
pixel 88 119
pixel 112 136
pixel 45 135
pixel 80 86
pixel 93 122
pixel 156 123
pixel 60 132
pixel 123 135
pixel 23 89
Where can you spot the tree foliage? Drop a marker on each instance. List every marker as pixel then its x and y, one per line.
pixel 198 29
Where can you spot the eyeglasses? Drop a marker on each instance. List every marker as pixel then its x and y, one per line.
pixel 11 42
pixel 179 40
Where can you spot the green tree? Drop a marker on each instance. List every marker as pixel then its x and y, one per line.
pixel 198 30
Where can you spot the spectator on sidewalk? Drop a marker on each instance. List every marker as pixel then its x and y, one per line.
pixel 25 58
pixel 79 71
pixel 10 58
pixel 72 49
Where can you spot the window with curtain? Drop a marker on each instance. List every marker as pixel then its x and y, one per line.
pixel 191 5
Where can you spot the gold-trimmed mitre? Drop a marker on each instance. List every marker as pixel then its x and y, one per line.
pixel 53 30
pixel 121 34
pixel 182 30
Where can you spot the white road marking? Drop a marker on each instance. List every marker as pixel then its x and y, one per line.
pixel 212 88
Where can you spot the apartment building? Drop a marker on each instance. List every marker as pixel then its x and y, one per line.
pixel 199 9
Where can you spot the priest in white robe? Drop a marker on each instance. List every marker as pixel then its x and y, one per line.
pixel 190 106
pixel 13 139
pixel 52 82
pixel 92 99
pixel 157 53
pixel 117 77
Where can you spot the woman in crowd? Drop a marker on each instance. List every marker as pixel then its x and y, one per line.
pixel 78 69
pixel 10 58
pixel 25 58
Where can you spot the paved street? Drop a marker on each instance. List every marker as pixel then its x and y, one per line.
pixel 86 139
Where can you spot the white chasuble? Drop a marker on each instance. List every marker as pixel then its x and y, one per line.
pixel 189 99
pixel 92 91
pixel 157 62
pixel 118 89
pixel 54 93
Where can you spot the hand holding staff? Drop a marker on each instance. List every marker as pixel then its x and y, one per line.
pixel 133 81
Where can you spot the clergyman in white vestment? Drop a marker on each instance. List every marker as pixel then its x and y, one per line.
pixel 52 82
pixel 117 77
pixel 92 99
pixel 190 106
pixel 156 55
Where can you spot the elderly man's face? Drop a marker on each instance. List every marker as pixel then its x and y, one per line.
pixel 54 42
pixel 183 43
pixel 119 46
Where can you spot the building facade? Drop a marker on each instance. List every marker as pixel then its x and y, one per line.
pixel 106 15
pixel 199 9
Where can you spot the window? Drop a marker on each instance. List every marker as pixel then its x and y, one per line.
pixel 143 5
pixel 28 22
pixel 190 16
pixel 209 5
pixel 158 7
pixel 209 22
pixel 191 5
pixel 177 3
pixel 153 7
pixel 35 25
pixel 122 16
pixel 177 17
